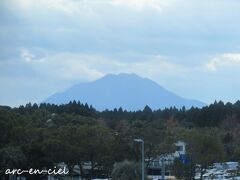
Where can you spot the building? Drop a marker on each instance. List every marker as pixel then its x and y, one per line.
pixel 162 162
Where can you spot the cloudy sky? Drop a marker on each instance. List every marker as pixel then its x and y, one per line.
pixel 191 47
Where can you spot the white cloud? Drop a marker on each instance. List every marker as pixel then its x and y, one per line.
pixel 67 7
pixel 223 60
pixel 142 4
pixel 61 66
pixel 26 55
pixel 157 66
pixel 29 56
pixel 71 6
pixel 86 67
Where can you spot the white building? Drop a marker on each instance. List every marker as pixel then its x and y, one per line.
pixel 181 149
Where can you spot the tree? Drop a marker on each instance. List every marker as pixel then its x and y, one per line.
pixel 11 157
pixel 183 171
pixel 126 170
pixel 95 147
pixel 204 148
pixel 157 141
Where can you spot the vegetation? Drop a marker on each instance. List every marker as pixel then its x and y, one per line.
pixel 126 171
pixel 41 136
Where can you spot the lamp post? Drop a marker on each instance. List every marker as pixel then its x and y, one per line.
pixel 163 169
pixel 142 143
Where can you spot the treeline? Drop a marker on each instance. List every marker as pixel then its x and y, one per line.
pixel 208 116
pixel 42 136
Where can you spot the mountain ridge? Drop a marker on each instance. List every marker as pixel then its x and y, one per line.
pixel 129 91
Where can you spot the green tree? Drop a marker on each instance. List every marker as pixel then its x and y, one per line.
pixel 126 170
pixel 204 148
pixel 183 171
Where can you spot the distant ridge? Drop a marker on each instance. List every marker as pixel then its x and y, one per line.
pixel 128 91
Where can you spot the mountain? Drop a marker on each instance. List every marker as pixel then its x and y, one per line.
pixel 128 91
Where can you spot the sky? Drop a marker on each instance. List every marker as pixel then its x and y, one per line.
pixel 190 47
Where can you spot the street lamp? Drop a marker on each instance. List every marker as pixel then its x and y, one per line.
pixel 142 142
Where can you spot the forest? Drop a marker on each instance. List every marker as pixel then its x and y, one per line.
pixel 44 135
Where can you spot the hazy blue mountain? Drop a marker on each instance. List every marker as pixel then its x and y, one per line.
pixel 128 91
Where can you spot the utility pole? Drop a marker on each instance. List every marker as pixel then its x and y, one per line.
pixel 142 143
pixel 163 169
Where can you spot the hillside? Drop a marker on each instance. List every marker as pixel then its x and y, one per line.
pixel 128 91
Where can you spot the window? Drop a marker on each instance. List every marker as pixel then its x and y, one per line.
pixel 179 148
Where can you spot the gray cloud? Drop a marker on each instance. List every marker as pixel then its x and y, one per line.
pixel 174 42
